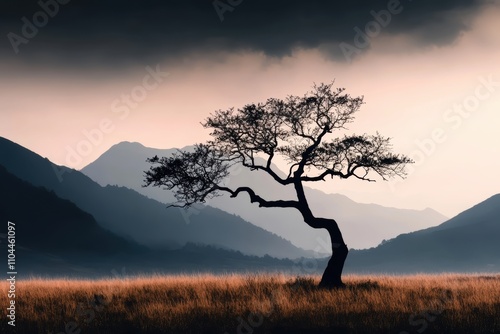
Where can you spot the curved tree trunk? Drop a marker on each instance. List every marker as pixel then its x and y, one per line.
pixel 332 277
pixel 333 272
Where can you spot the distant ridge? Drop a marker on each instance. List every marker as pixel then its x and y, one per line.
pixel 124 163
pixel 469 242
pixel 55 238
pixel 136 217
pixel 46 222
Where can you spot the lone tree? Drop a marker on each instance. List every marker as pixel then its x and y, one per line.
pixel 296 128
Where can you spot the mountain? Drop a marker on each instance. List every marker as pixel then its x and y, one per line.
pixel 466 243
pixel 53 235
pixel 36 211
pixel 363 225
pixel 135 217
pixel 486 211
pixel 56 238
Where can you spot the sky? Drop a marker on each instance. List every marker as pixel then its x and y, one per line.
pixel 77 77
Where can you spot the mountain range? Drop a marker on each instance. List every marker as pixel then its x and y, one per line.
pixel 55 238
pixel 363 225
pixel 68 225
pixel 469 242
pixel 135 217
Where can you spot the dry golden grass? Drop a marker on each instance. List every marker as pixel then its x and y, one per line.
pixel 258 304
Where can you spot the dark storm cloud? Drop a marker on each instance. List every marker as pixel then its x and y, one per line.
pixel 114 32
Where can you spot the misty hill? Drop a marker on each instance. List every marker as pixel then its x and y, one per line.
pixel 468 242
pixel 363 225
pixel 486 211
pixel 46 222
pixel 56 238
pixel 136 217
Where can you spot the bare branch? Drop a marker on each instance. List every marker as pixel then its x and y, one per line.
pixel 254 198
pixel 295 128
pixel 190 175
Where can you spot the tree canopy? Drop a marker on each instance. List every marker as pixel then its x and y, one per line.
pixel 297 128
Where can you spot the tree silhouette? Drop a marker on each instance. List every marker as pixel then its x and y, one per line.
pixel 297 129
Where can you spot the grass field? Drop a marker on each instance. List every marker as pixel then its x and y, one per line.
pixel 257 304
